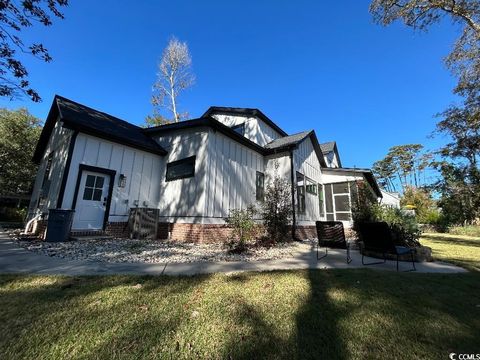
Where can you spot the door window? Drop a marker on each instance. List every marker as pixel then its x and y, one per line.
pixel 93 188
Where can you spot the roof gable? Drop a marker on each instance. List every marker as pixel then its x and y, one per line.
pixel 84 119
pixel 244 112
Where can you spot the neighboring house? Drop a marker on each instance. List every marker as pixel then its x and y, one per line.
pixel 193 171
pixel 391 199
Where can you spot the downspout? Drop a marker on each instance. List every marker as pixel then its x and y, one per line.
pixel 292 177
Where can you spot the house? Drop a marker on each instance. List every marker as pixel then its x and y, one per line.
pixel 192 171
pixel 391 199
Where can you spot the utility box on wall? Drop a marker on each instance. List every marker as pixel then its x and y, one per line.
pixel 143 223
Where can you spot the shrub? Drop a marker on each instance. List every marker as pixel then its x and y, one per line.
pixel 13 214
pixel 403 226
pixel 244 228
pixel 436 220
pixel 277 208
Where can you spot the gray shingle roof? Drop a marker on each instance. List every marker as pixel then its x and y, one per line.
pixel 327 147
pixel 287 140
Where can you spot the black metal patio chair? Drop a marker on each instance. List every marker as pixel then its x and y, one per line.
pixel 377 237
pixel 331 235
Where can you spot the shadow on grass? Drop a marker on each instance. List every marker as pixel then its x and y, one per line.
pixel 312 314
pixel 98 316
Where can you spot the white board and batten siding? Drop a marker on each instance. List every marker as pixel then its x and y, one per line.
pixel 306 162
pixel 256 130
pixel 58 145
pixel 142 170
pixel 230 176
pixel 183 200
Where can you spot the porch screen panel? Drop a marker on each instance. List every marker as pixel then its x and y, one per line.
pixel 340 188
pixel 342 203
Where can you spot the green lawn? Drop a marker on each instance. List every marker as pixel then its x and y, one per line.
pixel 341 314
pixel 298 314
pixel 461 250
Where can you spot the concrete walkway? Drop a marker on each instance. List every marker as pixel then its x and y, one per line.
pixel 14 259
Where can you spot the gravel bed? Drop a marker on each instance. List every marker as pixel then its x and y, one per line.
pixel 149 251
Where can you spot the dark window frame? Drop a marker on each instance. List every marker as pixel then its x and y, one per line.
pixel 321 200
pixel 240 127
pixel 260 189
pixel 301 194
pixel 179 162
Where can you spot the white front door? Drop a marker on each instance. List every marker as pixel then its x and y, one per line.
pixel 91 201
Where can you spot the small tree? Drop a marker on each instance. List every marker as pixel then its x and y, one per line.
pixel 277 208
pixel 19 133
pixel 244 228
pixel 174 76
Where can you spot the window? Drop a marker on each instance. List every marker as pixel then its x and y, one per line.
pixel 260 186
pixel 311 187
pixel 93 188
pixel 300 193
pixel 320 200
pixel 240 129
pixel 181 169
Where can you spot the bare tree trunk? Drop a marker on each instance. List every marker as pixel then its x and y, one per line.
pixel 172 98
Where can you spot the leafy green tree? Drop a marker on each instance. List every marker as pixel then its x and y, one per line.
pixel 14 17
pixel 421 199
pixel 156 120
pixel 403 163
pixel 19 133
pixel 385 171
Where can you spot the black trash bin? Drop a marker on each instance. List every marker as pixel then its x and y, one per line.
pixel 59 225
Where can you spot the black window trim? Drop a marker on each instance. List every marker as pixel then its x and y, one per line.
pixel 177 162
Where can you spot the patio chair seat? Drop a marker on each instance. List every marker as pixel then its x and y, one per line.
pixel 377 237
pixel 332 235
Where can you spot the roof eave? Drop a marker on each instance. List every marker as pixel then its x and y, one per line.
pixel 255 112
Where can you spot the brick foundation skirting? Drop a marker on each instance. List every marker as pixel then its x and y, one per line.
pixel 196 233
pixel 182 232
pixel 215 233
pixel 118 229
pixel 306 232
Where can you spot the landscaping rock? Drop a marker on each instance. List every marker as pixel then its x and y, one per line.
pixel 155 251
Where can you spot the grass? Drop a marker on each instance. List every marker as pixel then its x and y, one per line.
pixel 334 314
pixel 470 230
pixel 293 314
pixel 461 250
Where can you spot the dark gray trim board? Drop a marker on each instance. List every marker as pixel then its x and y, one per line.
pixel 253 112
pixel 292 178
pixel 66 171
pixel 111 173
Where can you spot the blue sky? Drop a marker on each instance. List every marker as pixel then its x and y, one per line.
pixel 306 64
